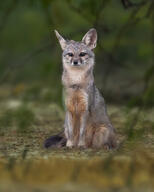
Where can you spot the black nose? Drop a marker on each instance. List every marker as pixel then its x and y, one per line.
pixel 75 62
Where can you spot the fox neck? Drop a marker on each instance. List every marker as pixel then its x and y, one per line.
pixel 77 76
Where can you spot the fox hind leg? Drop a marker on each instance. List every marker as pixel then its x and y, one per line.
pixel 104 137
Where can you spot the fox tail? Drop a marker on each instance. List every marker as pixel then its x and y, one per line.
pixel 58 141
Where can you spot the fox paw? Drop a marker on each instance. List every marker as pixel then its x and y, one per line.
pixel 109 146
pixel 81 144
pixel 69 144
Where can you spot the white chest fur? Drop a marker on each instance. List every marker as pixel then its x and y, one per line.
pixel 74 76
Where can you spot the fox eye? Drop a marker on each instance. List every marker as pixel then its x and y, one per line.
pixel 82 54
pixel 70 54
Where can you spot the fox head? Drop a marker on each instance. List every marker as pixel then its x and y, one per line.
pixel 78 54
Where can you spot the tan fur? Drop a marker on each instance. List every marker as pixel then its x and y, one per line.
pixel 95 134
pixel 76 104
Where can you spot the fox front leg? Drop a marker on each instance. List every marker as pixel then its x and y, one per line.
pixel 69 129
pixel 83 123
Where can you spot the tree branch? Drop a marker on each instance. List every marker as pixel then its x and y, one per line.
pixel 128 4
pixel 7 13
pixel 24 60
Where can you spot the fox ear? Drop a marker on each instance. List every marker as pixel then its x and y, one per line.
pixel 62 41
pixel 90 38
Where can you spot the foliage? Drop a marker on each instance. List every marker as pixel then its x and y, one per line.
pixel 20 118
pixel 30 52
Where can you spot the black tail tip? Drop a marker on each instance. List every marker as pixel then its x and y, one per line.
pixel 54 141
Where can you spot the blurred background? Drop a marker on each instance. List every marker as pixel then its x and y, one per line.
pixel 30 56
pixel 31 107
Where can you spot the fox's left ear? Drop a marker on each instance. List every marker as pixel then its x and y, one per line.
pixel 90 38
pixel 62 41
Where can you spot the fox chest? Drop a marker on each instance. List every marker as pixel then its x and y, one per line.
pixel 76 101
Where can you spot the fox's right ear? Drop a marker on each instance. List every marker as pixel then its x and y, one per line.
pixel 62 41
pixel 90 38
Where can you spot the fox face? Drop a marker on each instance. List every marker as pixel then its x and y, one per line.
pixel 78 54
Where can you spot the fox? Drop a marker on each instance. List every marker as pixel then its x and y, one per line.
pixel 87 124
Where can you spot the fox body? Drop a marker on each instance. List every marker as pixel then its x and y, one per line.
pixel 86 120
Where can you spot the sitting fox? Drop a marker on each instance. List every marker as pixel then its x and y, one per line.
pixel 86 120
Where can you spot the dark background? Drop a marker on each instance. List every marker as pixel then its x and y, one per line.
pixel 30 55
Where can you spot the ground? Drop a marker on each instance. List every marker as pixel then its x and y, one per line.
pixel 25 165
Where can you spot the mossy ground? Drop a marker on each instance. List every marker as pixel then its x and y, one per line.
pixel 26 166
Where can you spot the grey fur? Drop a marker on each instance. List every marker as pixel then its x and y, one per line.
pixel 80 78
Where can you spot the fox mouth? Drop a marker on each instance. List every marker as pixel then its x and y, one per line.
pixel 76 65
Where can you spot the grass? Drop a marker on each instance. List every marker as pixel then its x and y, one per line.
pixel 26 166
